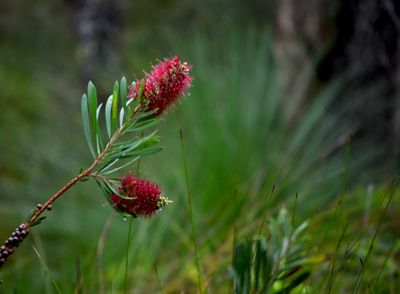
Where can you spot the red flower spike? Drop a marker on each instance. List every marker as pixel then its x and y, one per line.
pixel 164 84
pixel 144 196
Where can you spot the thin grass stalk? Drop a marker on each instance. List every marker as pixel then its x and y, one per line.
pixel 390 252
pixel 158 277
pixel 46 268
pixel 333 267
pixel 78 283
pixel 294 209
pixel 366 259
pixel 128 246
pixel 189 196
pixel 128 243
pixel 264 217
pixel 100 249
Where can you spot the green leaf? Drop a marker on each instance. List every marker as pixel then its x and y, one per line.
pixel 123 150
pixel 86 124
pixel 114 111
pixel 124 98
pixel 105 190
pixel 121 117
pixel 142 125
pixel 140 118
pixel 241 266
pixel 139 96
pixel 262 266
pixel 108 115
pixel 98 137
pixel 141 153
pixel 296 282
pixel 38 221
pixel 92 98
pixel 107 165
pixel 108 189
pixel 122 166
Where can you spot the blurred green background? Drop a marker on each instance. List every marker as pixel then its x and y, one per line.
pixel 279 89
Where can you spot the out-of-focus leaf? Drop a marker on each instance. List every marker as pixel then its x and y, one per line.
pixel 241 266
pixel 262 266
pixel 295 282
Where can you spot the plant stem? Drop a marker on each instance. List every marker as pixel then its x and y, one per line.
pixel 100 249
pixel 75 180
pixel 85 174
pixel 128 245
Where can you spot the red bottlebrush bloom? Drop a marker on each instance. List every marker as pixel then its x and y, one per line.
pixel 164 84
pixel 145 197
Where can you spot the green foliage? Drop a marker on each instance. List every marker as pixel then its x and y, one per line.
pixel 276 265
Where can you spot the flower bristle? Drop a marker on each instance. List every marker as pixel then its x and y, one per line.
pixel 163 85
pixel 141 197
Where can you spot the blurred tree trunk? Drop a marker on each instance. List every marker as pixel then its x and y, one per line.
pixel 97 24
pixel 299 34
pixel 364 47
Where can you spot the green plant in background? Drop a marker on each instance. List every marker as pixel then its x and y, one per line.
pixel 277 264
pixel 127 117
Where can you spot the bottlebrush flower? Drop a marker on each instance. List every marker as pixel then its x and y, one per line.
pixel 144 197
pixel 164 84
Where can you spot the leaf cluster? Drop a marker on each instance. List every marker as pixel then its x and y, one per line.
pixel 274 265
pixel 126 121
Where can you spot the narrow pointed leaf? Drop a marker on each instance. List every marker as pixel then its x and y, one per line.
pixel 143 125
pixel 107 165
pixel 108 115
pixel 121 150
pixel 114 111
pixel 99 138
pixel 92 100
pixel 86 124
pixel 142 153
pixel 122 166
pixel 121 117
pixel 123 97
pixel 139 96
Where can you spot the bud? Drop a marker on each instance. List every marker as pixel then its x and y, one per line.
pixel 143 198
pixel 163 85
